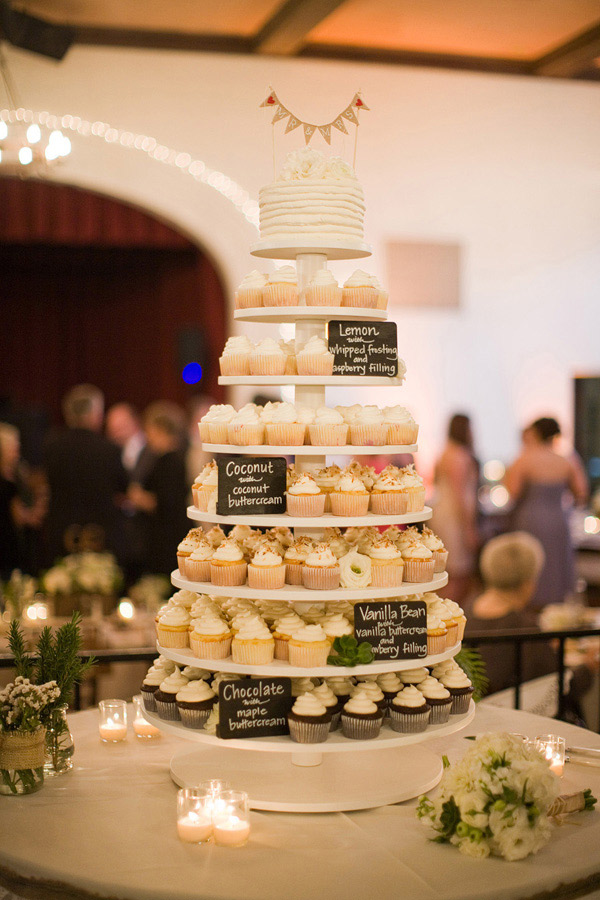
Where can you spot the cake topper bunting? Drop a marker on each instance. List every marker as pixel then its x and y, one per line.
pixel 350 114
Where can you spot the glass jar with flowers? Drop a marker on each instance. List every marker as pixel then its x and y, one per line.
pixel 24 708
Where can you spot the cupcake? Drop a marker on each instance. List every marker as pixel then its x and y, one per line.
pixel 327 479
pixel 328 428
pixel 418 563
pixel 320 571
pixel 211 726
pixel 246 427
pixel 382 295
pixel 323 290
pixel 253 645
pixel 165 696
pixel 308 647
pixel 413 676
pixel 308 720
pixel 197 565
pixel 267 570
pixel 458 617
pixel 295 557
pixel 215 536
pixel 282 632
pixel 390 684
pixel 210 637
pixel 386 564
pixel 303 685
pixel 372 690
pixel 368 429
pixel 441 609
pixel 355 570
pixel 402 428
pixel 281 288
pixel 361 718
pixel 387 495
pixel 282 426
pixel 334 538
pixel 461 690
pixel 213 425
pixel 195 701
pixel 207 482
pixel 267 358
pixel 172 628
pixel 227 566
pixel 335 625
pixel 304 497
pixel 438 698
pixel 436 635
pixel 151 683
pixel 249 295
pixel 331 703
pixel 315 358
pixel 349 497
pixel 235 359
pixel 435 544
pixel 360 291
pixel 341 686
pixel 193 673
pixel 412 485
pixel 409 711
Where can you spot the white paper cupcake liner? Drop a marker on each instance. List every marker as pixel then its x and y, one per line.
pixel 228 576
pixel 314 363
pixel 305 505
pixel 252 653
pixel 328 435
pixel 286 435
pixel 368 435
pixel 235 364
pixel 210 649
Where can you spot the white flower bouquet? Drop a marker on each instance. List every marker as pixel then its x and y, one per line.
pixel 87 573
pixel 24 706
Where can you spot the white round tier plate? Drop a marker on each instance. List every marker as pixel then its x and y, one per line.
pixel 310 450
pixel 346 248
pixel 345 782
pixel 346 380
pixel 325 521
pixel 281 669
pixel 293 594
pixel 319 313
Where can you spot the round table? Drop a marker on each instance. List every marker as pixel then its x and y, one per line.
pixel 108 830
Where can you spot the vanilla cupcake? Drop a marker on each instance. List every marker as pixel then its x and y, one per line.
pixel 335 625
pixel 436 635
pixel 194 702
pixel 321 571
pixel 409 711
pixel 350 496
pixel 282 632
pixel 281 288
pixel 360 291
pixel 355 570
pixel 412 485
pixel 249 294
pixel 436 545
pixel 325 695
pixel 328 428
pixel 184 551
pixel 246 427
pixel 315 358
pixel 210 637
pixel 387 495
pixel 443 611
pixel 361 718
pixel 304 497
pixel 172 628
pixel 402 428
pixel 268 358
pixel 235 359
pixel 227 565
pixel 308 720
pixel 387 566
pixel 253 645
pixel 197 565
pixel 295 557
pixel 308 647
pixel 213 425
pixel 327 479
pixel 438 698
pixel 165 696
pixel 460 688
pixel 323 290
pixel 266 571
pixel 418 563
pixel 459 618
pixel 282 426
pixel 368 429
pixel 206 483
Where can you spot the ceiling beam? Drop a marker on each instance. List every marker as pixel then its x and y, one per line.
pixel 571 59
pixel 286 31
pixel 162 40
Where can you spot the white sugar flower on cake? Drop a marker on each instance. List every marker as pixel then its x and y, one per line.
pixel 305 163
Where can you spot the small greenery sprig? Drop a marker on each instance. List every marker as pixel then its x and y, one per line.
pixel 472 663
pixel 55 658
pixel 350 652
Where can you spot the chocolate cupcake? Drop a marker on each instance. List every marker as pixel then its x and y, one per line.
pixel 156 674
pixel 330 702
pixel 438 698
pixel 308 720
pixel 409 712
pixel 165 696
pixel 361 718
pixel 390 684
pixel 461 690
pixel 195 701
pixel 373 692
pixel 341 686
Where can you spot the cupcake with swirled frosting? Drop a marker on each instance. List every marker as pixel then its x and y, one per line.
pixel 368 428
pixel 439 699
pixel 281 288
pixel 165 696
pixel 213 424
pixel 253 645
pixel 314 358
pixel 418 563
pixel 245 427
pixel 402 428
pixel 197 565
pixel 388 497
pixel 308 647
pixel 266 571
pixel 387 566
pixel 282 632
pixel 249 294
pixel 327 479
pixel 227 565
pixel 195 701
pixel 436 545
pixel 461 690
pixel 268 358
pixel 172 627
pixel 409 711
pixel 309 720
pixel 282 425
pixel 359 290
pixel 305 498
pixel 235 358
pixel 361 718
pixel 333 706
pixel 328 428
pixel 210 638
pixel 412 485
pixel 323 290
pixel 321 571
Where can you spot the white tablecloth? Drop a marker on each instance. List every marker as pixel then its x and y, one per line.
pixel 108 828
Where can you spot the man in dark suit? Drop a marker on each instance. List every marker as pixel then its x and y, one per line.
pixel 85 475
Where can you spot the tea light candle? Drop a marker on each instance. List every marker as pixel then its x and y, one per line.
pixel 552 747
pixel 141 727
pixel 194 820
pixel 231 823
pixel 113 720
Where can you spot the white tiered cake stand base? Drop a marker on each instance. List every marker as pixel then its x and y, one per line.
pixel 341 782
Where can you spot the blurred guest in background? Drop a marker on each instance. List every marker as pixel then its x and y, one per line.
pixel 21 510
pixel 538 482
pixel 163 495
pixel 455 508
pixel 85 475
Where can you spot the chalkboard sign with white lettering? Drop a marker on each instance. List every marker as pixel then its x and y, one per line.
pixel 256 707
pixel 251 485
pixel 395 629
pixel 364 348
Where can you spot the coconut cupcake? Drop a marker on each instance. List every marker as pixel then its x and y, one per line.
pixel 328 428
pixel 327 479
pixel 323 290
pixel 197 565
pixel 246 427
pixel 253 645
pixel 213 425
pixel 210 637
pixel 282 632
pixel 438 698
pixel 412 485
pixel 195 701
pixel 281 288
pixel 165 696
pixel 436 545
pixel 461 690
pixel 314 358
pixel 308 647
pixel 330 702
pixel 282 426
pixel 267 570
pixel 409 711
pixel 361 718
pixel 308 720
pixel 227 566
pixel 267 358
pixel 386 564
pixel 235 359
pixel 304 497
pixel 321 571
pixel 249 294
pixel 295 557
pixel 172 628
pixel 360 291
pixel 349 497
pixel 402 428
pixel 418 563
pixel 387 496
pixel 334 538
pixel 368 428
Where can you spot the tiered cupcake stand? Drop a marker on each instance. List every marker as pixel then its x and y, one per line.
pixel 340 774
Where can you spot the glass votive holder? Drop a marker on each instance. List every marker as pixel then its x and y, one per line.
pixel 194 816
pixel 552 748
pixel 231 822
pixel 141 727
pixel 113 720
pixel 215 787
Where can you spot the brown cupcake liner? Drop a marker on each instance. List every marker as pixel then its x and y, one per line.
pixel 246 435
pixel 167 711
pixel 228 575
pixel 418 571
pixel 365 297
pixel 293 573
pixel 305 505
pixel 368 435
pixel 360 729
pixel 148 699
pixel 280 295
pixel 460 702
pixel 218 432
pixel 317 578
pixel 197 569
pixel 314 363
pixel 308 655
pixel 308 732
pixel 440 712
pixel 220 649
pixel 176 640
pixel 252 653
pixel 235 364
pixel 408 723
pixel 402 434
pixel 265 578
pixel 193 718
pixel 286 435
pixel 267 364
pixel 389 503
pixel 250 298
pixel 328 435
pixel 386 575
pixel 349 504
pixel 323 295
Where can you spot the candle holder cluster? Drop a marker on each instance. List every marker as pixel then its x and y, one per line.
pixel 113 721
pixel 213 812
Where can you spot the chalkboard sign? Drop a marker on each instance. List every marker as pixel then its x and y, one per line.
pixel 256 707
pixel 364 348
pixel 251 485
pixel 394 629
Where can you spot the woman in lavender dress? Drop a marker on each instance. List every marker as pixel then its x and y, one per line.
pixel 538 482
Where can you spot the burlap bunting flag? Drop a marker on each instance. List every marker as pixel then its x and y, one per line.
pixel 349 114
